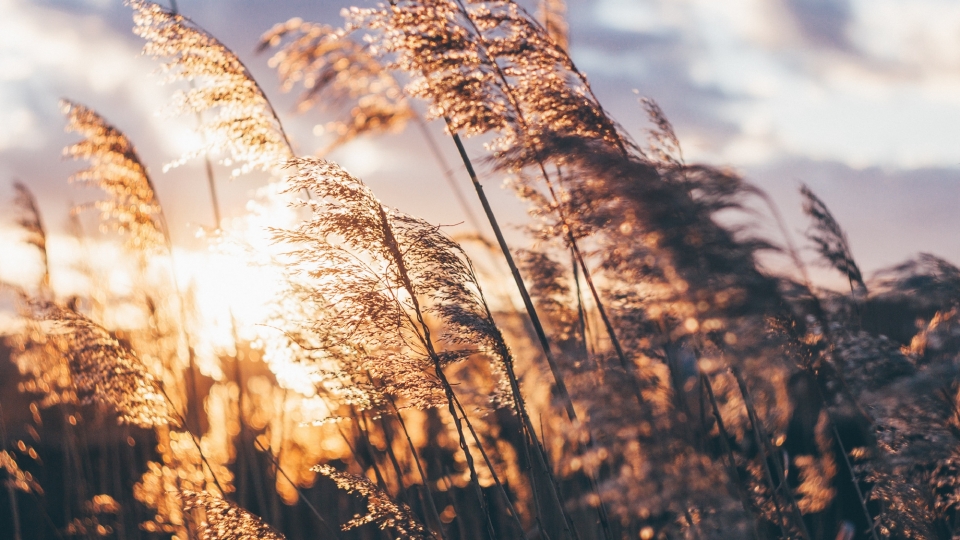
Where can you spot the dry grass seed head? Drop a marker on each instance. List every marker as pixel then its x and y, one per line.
pixel 29 220
pixel 104 371
pixel 337 73
pixel 237 118
pixel 487 67
pixel 382 272
pixel 397 518
pixel 830 239
pixel 131 208
pixel 222 520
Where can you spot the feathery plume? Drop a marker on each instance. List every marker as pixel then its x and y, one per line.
pixel 41 359
pixel 342 72
pixel 29 220
pixel 241 122
pixel 553 16
pixel 115 167
pixel 664 144
pixel 487 67
pixel 353 249
pixel 381 509
pixel 830 239
pixel 104 371
pixel 928 282
pixel 222 520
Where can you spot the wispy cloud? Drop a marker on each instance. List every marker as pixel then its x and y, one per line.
pixel 858 82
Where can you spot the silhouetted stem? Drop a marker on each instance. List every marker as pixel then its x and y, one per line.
pixel 728 453
pixel 486 459
pixel 390 242
pixel 447 172
pixel 514 102
pixel 196 442
pixel 14 509
pixel 515 272
pixel 764 447
pixel 303 496
pixel 431 505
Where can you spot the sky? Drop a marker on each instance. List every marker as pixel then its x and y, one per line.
pixel 859 99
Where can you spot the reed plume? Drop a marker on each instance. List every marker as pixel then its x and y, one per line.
pixel 222 520
pixel 237 118
pixel 115 167
pixel 104 371
pixel 831 241
pixel 927 282
pixel 336 72
pixel 374 267
pixel 487 67
pixel 397 518
pixel 41 359
pixel 664 146
pixel 32 226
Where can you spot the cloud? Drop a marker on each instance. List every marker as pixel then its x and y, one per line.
pixel 889 215
pixel 858 82
pixel 822 22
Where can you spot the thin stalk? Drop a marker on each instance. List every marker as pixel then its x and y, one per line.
pixel 303 496
pixel 196 442
pixel 731 459
pixel 453 501
pixel 447 172
pixel 258 488
pixel 46 516
pixel 763 445
pixel 428 496
pixel 364 438
pixel 581 312
pixel 534 319
pixel 11 492
pixel 392 246
pixel 503 492
pixel 515 272
pixel 214 200
pixel 241 450
pixel 529 432
pixel 392 456
pixel 856 484
pixel 274 494
pixel 514 102
pixel 608 325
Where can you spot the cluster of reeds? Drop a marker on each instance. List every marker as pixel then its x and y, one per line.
pixel 658 381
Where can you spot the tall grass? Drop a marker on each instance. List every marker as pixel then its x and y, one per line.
pixel 660 382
